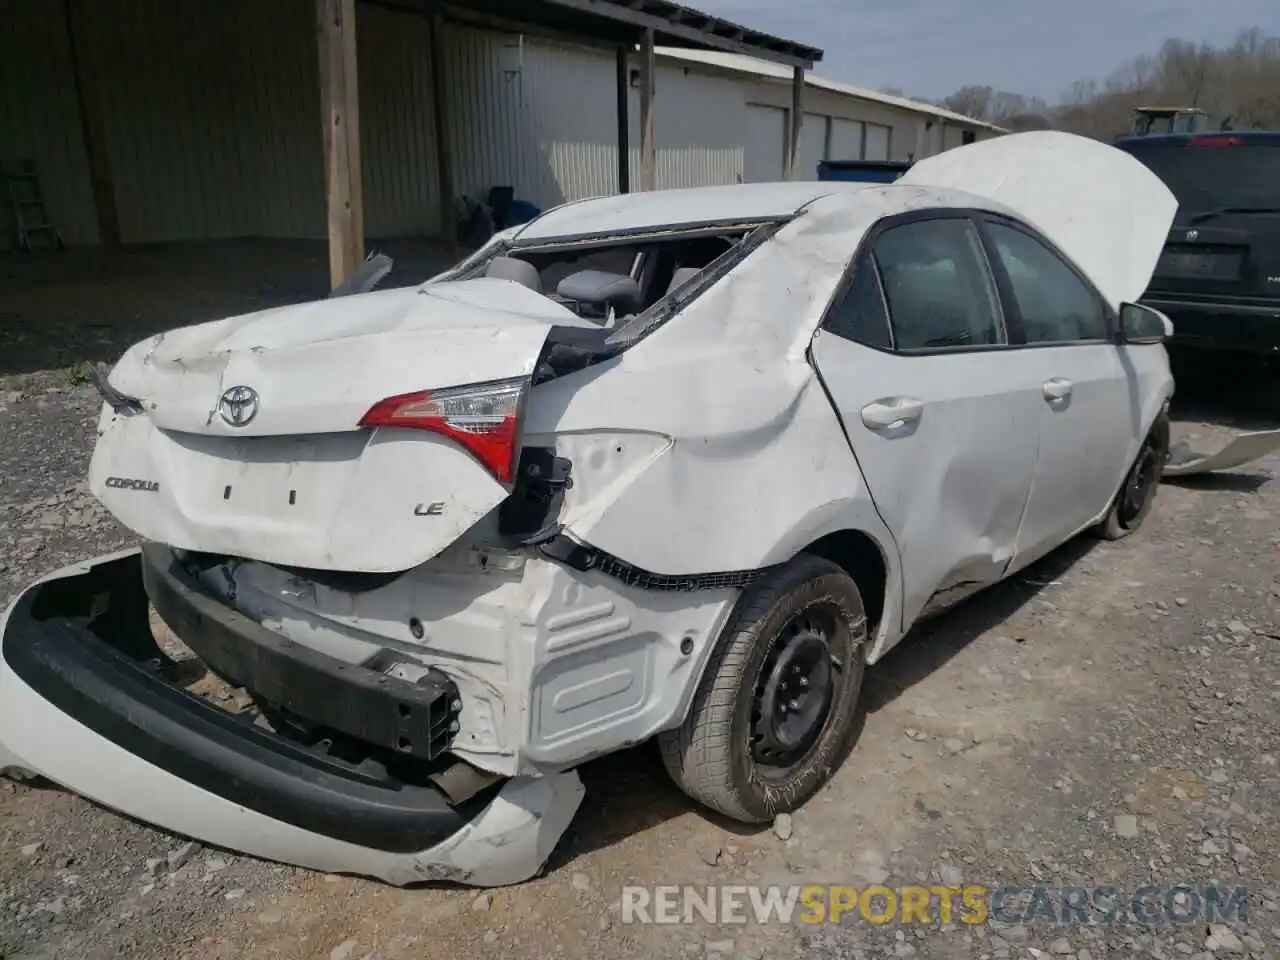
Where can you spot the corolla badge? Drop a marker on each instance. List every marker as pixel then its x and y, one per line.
pixel 238 406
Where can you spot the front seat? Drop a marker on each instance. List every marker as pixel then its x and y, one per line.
pixel 519 271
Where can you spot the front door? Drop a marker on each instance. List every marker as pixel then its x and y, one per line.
pixel 941 417
pixel 1089 403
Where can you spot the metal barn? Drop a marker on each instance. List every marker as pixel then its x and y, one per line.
pixel 212 156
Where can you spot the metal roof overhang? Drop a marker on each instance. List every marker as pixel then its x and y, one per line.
pixel 618 23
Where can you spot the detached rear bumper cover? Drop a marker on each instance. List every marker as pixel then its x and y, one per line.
pixel 89 714
pixel 1242 449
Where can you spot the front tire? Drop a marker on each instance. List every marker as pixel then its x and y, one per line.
pixel 775 711
pixel 1138 491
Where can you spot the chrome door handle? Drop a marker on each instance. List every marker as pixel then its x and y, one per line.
pixel 891 412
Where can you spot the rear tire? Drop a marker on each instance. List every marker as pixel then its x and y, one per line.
pixel 774 714
pixel 1137 493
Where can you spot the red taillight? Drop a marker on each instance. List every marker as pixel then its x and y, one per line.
pixel 1216 141
pixel 482 418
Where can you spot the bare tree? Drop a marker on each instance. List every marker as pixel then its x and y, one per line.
pixel 1186 71
pixel 1237 85
pixel 972 101
pixel 991 105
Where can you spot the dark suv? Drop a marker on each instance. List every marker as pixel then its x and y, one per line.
pixel 1218 278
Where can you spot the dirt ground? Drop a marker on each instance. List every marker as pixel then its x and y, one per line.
pixel 1109 718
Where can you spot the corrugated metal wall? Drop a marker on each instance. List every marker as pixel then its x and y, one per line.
pixel 39 118
pixel 567 142
pixel 214 125
pixel 698 128
pixel 814 138
pixel 213 118
pixel 878 142
pixel 846 140
pixel 765 133
pixel 397 125
pixel 485 92
pixel 890 130
pixel 567 135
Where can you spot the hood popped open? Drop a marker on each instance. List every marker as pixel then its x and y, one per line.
pixel 364 433
pixel 1100 206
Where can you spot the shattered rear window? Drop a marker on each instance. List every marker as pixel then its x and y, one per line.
pixel 671 265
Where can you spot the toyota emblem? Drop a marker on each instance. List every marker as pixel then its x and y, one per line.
pixel 238 406
pixel 1193 235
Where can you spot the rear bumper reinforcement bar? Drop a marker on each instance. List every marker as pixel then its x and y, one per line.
pixel 413 718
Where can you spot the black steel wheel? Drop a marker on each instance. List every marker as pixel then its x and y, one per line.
pixel 1137 493
pixel 794 690
pixel 776 710
pixel 1140 485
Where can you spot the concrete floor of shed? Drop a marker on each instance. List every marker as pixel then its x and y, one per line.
pixel 61 308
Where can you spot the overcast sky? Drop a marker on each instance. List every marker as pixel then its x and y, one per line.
pixel 929 48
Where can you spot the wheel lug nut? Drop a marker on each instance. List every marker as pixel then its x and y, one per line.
pixel 794 704
pixel 804 682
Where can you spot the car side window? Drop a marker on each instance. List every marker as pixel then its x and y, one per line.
pixel 1055 304
pixel 858 313
pixel 938 288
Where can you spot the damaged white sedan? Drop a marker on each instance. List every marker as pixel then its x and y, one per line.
pixel 676 465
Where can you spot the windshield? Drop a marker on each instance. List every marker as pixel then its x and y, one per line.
pixel 1212 177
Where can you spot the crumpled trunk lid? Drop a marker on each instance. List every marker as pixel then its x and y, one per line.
pixel 318 367
pixel 299 483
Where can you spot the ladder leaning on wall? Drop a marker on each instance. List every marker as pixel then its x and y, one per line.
pixel 26 200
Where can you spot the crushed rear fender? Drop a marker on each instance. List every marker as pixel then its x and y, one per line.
pixel 86 701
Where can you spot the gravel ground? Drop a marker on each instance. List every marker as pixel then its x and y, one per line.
pixel 1109 719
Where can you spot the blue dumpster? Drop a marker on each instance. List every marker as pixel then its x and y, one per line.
pixel 863 171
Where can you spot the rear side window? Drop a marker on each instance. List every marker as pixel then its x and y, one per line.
pixel 859 313
pixel 937 286
pixel 1212 172
pixel 1055 304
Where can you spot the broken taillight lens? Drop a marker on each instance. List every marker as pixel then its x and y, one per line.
pixel 482 418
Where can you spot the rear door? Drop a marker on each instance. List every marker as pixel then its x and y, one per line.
pixel 1225 242
pixel 1089 407
pixel 939 412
